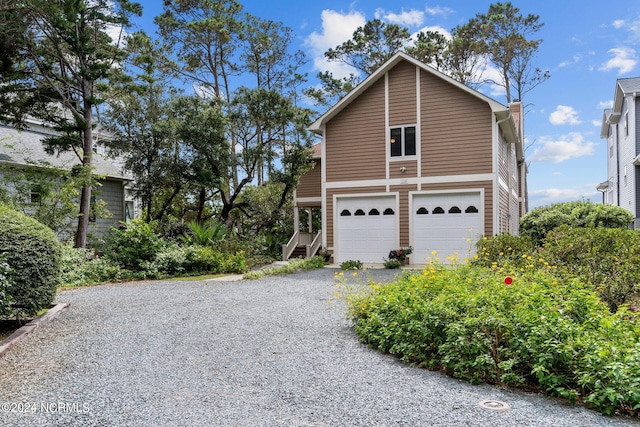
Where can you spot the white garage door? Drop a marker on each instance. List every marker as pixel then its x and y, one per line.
pixel 449 224
pixel 366 228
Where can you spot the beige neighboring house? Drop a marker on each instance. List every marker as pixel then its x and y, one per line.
pixel 412 158
pixel 19 148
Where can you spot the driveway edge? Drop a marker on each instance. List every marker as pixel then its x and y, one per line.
pixel 27 329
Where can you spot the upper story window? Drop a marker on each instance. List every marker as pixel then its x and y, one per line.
pixel 403 141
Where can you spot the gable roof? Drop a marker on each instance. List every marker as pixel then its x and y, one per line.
pixel 317 126
pixel 24 147
pixel 624 87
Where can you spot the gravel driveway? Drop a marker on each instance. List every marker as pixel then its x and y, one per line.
pixel 278 351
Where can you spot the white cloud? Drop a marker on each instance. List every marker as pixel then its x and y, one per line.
pixel 434 28
pixel 412 18
pixel 569 146
pixel 605 104
pixel 596 123
pixel 439 10
pixel 574 60
pixel 618 23
pixel 624 60
pixel 564 115
pixel 337 27
pixel 548 196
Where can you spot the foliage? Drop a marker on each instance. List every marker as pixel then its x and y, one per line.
pixel 400 254
pixel 503 250
pixel 131 244
pixel 502 34
pixel 207 234
pixel 5 287
pixel 392 264
pixel 32 252
pixel 82 267
pixel 351 265
pixel 538 222
pixel 58 69
pixel 536 332
pixel 293 266
pixel 608 259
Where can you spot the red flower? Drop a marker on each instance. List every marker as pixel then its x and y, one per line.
pixel 508 280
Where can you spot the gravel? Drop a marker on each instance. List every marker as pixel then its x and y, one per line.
pixel 277 351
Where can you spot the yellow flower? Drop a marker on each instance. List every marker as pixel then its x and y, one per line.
pixel 434 253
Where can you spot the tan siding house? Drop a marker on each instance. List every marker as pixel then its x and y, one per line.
pixel 413 158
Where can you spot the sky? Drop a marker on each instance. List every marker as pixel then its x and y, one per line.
pixel 586 47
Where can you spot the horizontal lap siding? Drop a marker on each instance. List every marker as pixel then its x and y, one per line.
pixel 456 130
pixel 402 95
pixel 410 166
pixel 310 183
pixel 356 138
pixel 112 193
pixel 488 198
pixel 403 191
pixel 329 205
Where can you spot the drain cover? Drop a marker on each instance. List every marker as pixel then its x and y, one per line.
pixel 495 405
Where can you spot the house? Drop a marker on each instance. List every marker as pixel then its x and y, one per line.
pixel 621 129
pixel 20 149
pixel 414 158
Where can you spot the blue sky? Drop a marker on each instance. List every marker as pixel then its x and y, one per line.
pixel 586 47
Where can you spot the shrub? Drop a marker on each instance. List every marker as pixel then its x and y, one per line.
pixel 32 252
pixel 537 332
pixel 5 298
pixel 293 266
pixel 351 265
pixel 608 259
pixel 132 244
pixel 502 250
pixel 81 267
pixel 538 222
pixel 205 234
pixel 392 264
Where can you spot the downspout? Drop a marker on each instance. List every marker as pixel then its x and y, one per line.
pixel 617 166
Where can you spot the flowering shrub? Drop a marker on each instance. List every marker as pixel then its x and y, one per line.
pixel 351 265
pixel 526 329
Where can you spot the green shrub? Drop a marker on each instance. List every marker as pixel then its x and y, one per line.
pixel 538 222
pixel 392 264
pixel 351 265
pixel 205 234
pixel 81 267
pixel 503 250
pixel 5 285
pixel 32 252
pixel 132 244
pixel 538 332
pixel 606 258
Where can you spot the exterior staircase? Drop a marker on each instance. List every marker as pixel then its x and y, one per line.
pixel 302 245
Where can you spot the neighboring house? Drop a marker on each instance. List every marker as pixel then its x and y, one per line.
pixel 621 129
pixel 412 158
pixel 20 149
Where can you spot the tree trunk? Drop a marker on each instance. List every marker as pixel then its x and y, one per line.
pixel 87 154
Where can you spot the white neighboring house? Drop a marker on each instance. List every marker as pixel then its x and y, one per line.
pixel 621 129
pixel 20 148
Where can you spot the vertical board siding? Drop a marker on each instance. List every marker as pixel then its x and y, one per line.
pixel 456 130
pixel 402 95
pixel 310 184
pixel 356 138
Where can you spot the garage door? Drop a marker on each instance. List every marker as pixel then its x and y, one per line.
pixel 446 223
pixel 366 228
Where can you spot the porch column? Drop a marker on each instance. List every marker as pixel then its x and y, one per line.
pixel 310 216
pixel 296 219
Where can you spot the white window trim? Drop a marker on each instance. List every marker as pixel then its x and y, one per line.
pixel 403 157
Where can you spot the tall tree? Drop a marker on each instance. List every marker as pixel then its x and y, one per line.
pixel 139 119
pixel 504 35
pixel 59 64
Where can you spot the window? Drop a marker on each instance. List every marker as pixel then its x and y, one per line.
pixel 471 209
pixel 422 211
pixel 455 210
pixel 626 123
pixel 128 210
pixel 345 212
pixel 36 194
pixel 92 209
pixel 403 141
pixel 359 212
pixel 388 211
pixel 438 210
pixel 374 211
